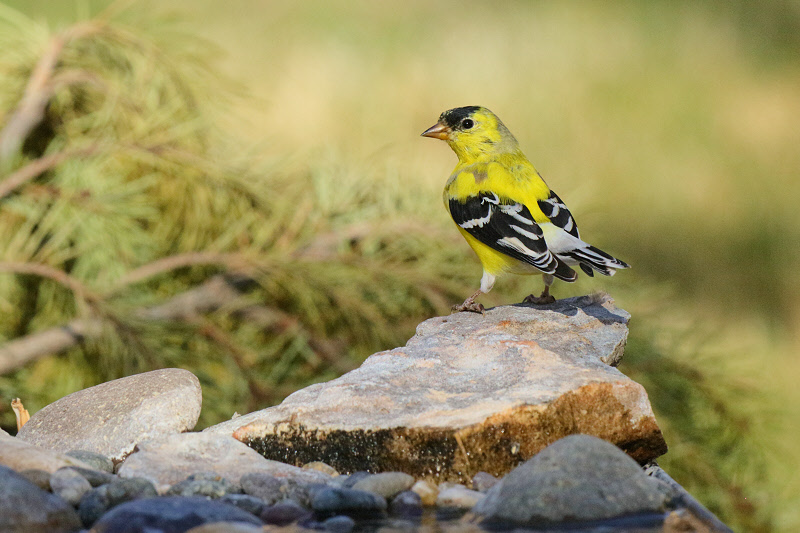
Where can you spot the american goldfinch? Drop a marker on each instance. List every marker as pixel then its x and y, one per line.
pixel 505 210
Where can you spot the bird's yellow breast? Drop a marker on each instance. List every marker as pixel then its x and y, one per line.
pixel 510 177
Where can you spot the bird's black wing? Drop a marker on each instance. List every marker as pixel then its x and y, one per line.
pixel 509 228
pixel 554 209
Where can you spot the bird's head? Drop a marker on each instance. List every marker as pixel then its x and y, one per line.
pixel 473 132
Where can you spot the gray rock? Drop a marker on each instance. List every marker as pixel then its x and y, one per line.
pixel 483 481
pixel 40 478
pixel 171 459
pixel 111 418
pixel 577 478
pixel 245 502
pixel 94 477
pixel 206 484
pixel 355 503
pixel 407 504
pixel 25 508
pixel 386 484
pixel 98 501
pixel 95 460
pixel 173 514
pixel 467 393
pixel 339 524
pixel 284 513
pixel 20 455
pixel 459 498
pixel 69 485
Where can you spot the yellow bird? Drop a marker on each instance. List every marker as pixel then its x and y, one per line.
pixel 505 210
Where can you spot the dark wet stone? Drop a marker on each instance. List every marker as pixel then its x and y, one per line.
pixel 97 501
pixel 339 524
pixel 171 514
pixel 407 503
pixel 386 484
pixel 95 460
pixel 355 503
pixel 245 502
pixel 579 477
pixel 25 508
pixel 285 513
pixel 483 481
pixel 40 478
pixel 69 485
pixel 206 484
pixel 93 505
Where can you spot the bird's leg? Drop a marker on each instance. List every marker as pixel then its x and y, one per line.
pixel 470 304
pixel 545 297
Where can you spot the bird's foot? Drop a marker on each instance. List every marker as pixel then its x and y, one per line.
pixel 468 305
pixel 544 299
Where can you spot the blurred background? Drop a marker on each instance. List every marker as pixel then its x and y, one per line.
pixel 240 189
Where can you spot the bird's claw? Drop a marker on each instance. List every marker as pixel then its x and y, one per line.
pixel 539 300
pixel 472 307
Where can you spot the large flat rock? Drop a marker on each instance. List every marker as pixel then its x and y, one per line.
pixel 468 393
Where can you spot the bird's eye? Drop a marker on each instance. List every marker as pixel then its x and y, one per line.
pixel 467 123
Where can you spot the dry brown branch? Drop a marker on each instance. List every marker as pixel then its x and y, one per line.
pixel 38 92
pixel 37 167
pixel 20 412
pixel 234 262
pixel 81 291
pixel 214 294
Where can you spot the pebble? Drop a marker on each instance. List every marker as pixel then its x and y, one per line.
pixel 227 527
pixel 69 485
pixel 177 513
pixel 38 477
pixel 94 477
pixel 427 491
pixel 95 460
pixel 386 484
pixel 339 524
pixel 25 508
pixel 96 502
pixel 330 501
pixel 483 481
pixel 284 513
pixel 271 489
pixel 20 455
pixel 407 504
pixel 206 484
pixel 459 497
pixel 348 481
pixel 245 502
pixel 319 466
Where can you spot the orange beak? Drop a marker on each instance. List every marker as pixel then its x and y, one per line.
pixel 438 131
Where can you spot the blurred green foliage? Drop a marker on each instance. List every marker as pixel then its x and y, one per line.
pixel 281 149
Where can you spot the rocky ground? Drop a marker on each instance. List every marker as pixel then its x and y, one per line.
pixel 515 419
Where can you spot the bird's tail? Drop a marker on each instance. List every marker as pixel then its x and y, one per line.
pixel 563 271
pixel 590 259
